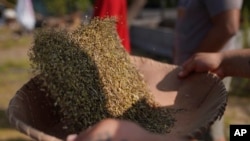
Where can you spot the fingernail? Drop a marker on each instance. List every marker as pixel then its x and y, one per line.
pixel 71 137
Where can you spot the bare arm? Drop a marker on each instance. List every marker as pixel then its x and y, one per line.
pixel 236 63
pixel 229 63
pixel 224 26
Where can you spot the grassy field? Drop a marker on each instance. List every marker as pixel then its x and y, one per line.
pixel 15 71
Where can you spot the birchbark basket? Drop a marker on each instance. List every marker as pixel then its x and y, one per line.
pixel 201 98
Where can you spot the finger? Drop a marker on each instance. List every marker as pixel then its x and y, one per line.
pixel 187 68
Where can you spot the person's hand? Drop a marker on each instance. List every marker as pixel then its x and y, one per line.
pixel 112 130
pixel 120 130
pixel 202 62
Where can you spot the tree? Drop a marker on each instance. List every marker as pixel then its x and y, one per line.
pixel 62 7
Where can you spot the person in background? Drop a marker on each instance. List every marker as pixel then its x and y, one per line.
pixel 118 9
pixel 206 26
pixel 220 63
pixel 26 15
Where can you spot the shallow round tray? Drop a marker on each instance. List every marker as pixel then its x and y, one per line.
pixel 201 98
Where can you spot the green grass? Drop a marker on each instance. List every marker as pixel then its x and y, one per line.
pixel 12 40
pixel 14 72
pixel 12 135
pixel 240 87
pixel 12 43
pixel 13 65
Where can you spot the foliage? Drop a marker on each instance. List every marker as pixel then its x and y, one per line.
pixel 245 23
pixel 12 1
pixel 62 7
pixel 240 87
pixel 245 27
pixel 246 3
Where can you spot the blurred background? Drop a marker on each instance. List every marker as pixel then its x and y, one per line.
pixel 151 31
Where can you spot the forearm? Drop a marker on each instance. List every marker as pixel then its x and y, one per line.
pixel 215 40
pixel 236 63
pixel 224 26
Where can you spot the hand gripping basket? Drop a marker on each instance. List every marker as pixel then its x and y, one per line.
pixel 201 99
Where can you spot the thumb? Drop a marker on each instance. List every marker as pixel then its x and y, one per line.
pixel 71 137
pixel 186 68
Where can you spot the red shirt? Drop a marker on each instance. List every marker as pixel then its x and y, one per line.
pixel 117 8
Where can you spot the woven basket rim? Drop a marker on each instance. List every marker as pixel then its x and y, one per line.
pixel 220 109
pixel 25 128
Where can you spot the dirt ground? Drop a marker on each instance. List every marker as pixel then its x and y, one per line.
pixel 14 72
